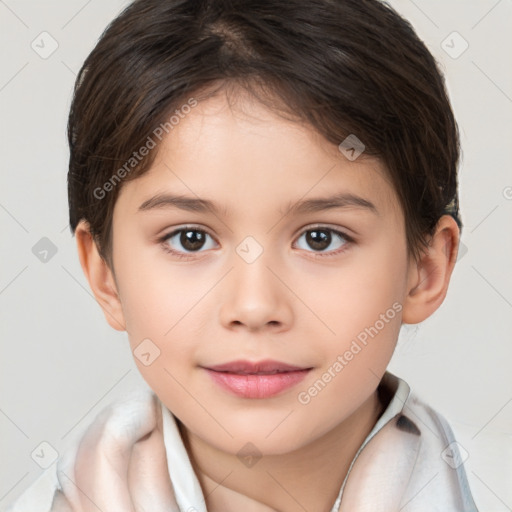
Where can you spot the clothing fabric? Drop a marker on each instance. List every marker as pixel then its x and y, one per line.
pixel 409 462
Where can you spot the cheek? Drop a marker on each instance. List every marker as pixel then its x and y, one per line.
pixel 164 307
pixel 354 296
pixel 353 362
pixel 154 295
pixel 362 306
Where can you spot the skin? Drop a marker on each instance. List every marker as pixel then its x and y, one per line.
pixel 291 304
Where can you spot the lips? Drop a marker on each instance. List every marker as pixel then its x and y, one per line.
pixel 267 367
pixel 262 379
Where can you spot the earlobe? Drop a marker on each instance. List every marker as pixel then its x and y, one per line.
pixel 99 276
pixel 429 278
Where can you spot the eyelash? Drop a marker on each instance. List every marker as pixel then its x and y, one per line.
pixel 186 256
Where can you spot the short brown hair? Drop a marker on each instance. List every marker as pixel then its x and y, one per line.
pixel 343 66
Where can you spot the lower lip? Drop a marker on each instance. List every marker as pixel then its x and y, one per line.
pixel 257 386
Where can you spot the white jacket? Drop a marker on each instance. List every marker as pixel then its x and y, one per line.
pixel 410 462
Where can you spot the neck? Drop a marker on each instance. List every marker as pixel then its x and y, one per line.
pixel 308 478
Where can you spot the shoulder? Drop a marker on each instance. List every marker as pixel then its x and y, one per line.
pixel 439 481
pixel 114 421
pixel 39 496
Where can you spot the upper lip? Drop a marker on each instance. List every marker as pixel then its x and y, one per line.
pixel 267 365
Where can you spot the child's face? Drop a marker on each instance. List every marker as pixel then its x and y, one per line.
pixel 227 302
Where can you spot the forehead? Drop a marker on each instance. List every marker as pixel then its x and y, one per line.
pixel 240 155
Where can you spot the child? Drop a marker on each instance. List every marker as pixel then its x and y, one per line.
pixel 311 149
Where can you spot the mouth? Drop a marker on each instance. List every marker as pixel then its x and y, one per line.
pixel 262 379
pixel 267 367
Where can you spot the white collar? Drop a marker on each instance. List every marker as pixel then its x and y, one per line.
pixel 393 467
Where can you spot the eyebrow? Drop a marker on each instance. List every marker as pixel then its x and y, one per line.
pixel 195 204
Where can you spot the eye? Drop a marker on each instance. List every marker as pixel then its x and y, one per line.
pixel 321 238
pixel 191 239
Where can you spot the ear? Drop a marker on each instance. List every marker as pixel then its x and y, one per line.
pixel 428 278
pixel 100 277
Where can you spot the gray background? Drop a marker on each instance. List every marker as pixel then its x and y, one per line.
pixel 61 363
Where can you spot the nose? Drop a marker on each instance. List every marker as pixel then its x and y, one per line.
pixel 255 297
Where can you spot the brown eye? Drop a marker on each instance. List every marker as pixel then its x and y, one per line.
pixel 192 240
pixel 321 238
pixel 318 239
pixel 188 239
